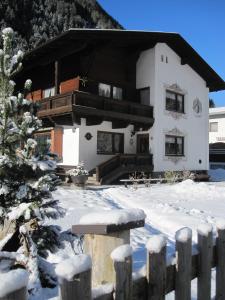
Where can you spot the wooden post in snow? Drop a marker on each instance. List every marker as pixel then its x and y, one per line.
pixel 156 267
pixel 205 247
pixel 75 278
pixel 122 258
pixel 220 268
pixel 101 239
pixel 14 285
pixel 20 294
pixel 183 264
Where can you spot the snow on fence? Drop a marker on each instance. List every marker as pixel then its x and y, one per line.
pixel 161 277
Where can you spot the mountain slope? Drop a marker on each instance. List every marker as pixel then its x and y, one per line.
pixel 36 21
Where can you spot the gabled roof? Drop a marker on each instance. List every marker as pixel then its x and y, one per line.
pixel 77 39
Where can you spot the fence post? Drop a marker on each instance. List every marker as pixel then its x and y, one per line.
pixel 75 278
pixel 13 285
pixel 122 258
pixel 205 261
pixel 156 267
pixel 183 264
pixel 20 294
pixel 220 269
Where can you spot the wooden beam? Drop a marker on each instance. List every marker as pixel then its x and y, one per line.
pixel 57 76
pixel 55 111
pixel 112 115
pixel 93 121
pixel 56 54
pixel 119 124
pixel 184 61
pixel 105 229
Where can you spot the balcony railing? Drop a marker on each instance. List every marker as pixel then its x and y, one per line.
pixel 89 104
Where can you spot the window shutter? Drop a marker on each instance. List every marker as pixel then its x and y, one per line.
pixel 57 141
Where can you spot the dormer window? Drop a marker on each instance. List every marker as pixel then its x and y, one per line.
pixel 174 101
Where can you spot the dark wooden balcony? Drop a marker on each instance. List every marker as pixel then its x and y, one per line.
pixel 71 107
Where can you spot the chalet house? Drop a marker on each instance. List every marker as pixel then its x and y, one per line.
pixel 123 100
pixel 217 137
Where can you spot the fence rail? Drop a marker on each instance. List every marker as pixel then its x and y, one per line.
pixel 161 277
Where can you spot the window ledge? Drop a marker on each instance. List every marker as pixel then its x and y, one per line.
pixel 176 115
pixel 175 158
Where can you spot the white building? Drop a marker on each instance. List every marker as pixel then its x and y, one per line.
pixel 217 137
pixel 139 93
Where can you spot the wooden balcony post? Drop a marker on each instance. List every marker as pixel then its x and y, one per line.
pixel 101 239
pixel 57 76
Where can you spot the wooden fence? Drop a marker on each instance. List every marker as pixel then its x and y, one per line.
pixel 161 277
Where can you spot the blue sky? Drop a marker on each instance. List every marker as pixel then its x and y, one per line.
pixel 200 22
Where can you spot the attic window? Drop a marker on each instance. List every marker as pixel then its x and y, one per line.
pixel 162 58
pixel 166 59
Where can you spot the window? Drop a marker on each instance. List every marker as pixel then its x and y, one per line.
pixel 174 102
pixel 104 90
pixel 110 142
pixel 110 91
pixel 43 140
pixel 174 145
pixel 145 96
pixel 117 93
pixel 213 126
pixel 49 92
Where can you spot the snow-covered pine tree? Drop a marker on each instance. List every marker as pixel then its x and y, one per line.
pixel 27 176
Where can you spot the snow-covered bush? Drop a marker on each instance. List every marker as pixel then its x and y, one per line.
pixel 171 176
pixel 77 170
pixel 27 177
pixel 186 174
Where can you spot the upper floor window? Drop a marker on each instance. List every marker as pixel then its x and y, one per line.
pixel 110 91
pixel 213 126
pixel 104 90
pixel 49 92
pixel 145 96
pixel 117 93
pixel 174 145
pixel 174 101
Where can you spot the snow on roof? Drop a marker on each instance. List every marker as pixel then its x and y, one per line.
pixel 115 29
pixel 117 217
pixel 121 253
pixel 70 267
pixel 217 110
pixel 12 281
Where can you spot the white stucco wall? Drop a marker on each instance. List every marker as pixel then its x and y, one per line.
pixel 161 75
pixel 88 149
pixel 219 136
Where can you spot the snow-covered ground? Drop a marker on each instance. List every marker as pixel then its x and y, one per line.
pixel 168 208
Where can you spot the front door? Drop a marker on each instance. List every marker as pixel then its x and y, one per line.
pixel 143 143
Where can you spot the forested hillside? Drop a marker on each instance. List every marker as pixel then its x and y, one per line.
pixel 36 21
